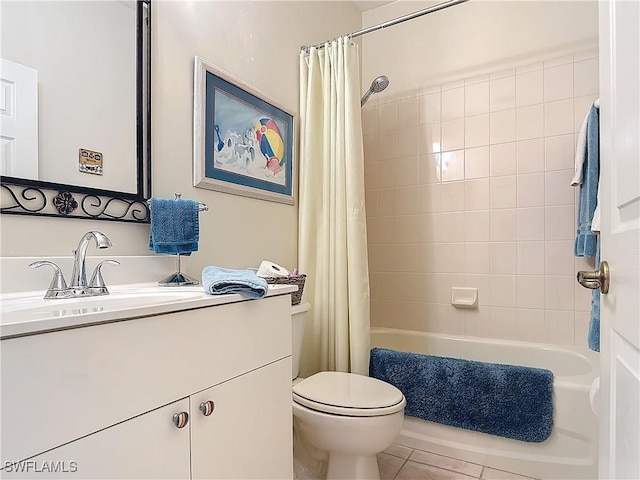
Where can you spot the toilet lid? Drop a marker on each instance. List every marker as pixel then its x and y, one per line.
pixel 348 394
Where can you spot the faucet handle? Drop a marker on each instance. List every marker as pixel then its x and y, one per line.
pixel 58 286
pixel 97 284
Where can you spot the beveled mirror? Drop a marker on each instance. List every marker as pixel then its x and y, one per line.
pixel 75 131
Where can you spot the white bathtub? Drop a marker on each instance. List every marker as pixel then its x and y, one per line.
pixel 571 452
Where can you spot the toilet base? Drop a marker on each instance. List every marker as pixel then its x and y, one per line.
pixel 348 467
pixel 309 463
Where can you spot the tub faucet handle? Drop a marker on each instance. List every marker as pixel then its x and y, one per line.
pixel 58 286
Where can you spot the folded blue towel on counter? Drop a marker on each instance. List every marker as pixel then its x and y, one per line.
pixel 174 226
pixel 220 281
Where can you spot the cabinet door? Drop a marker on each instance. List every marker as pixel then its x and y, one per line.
pixel 249 433
pixel 147 446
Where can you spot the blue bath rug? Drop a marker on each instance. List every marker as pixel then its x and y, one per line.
pixel 505 400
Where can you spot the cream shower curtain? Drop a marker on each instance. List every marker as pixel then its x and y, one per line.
pixel 332 239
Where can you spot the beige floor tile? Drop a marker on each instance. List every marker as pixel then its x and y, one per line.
pixel 399 451
pixel 420 471
pixel 493 474
pixel 447 463
pixel 389 465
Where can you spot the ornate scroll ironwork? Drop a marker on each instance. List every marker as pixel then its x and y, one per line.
pixel 33 197
pixel 65 203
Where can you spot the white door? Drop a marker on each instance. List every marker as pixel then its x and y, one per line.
pixel 620 197
pixel 18 120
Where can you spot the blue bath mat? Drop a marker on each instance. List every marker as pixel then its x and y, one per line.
pixel 505 400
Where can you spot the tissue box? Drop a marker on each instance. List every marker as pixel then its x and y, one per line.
pixel 298 280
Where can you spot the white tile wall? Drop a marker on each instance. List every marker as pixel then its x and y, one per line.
pixel 476 162
pixel 531 155
pixel 467 184
pixel 503 159
pixel 452 104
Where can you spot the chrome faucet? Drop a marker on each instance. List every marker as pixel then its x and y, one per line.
pixel 79 286
pixel 79 273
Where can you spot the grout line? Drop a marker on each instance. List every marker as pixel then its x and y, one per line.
pixel 396 456
pixel 482 471
pixel 448 456
pixel 465 475
pixel 401 467
pixel 405 460
pixel 445 468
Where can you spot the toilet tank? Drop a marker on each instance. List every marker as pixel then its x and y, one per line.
pixel 298 319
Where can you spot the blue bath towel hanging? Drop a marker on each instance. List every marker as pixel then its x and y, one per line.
pixel 174 226
pixel 506 400
pixel 585 244
pixel 593 336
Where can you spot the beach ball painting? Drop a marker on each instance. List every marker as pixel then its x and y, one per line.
pixel 271 144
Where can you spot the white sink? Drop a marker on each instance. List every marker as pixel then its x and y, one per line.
pixel 28 313
pixel 124 301
pixel 36 305
pixel 134 294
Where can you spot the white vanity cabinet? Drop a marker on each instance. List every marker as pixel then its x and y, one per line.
pixel 103 396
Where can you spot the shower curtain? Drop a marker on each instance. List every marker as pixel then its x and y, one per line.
pixel 332 238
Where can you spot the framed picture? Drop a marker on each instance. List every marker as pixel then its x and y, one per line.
pixel 243 140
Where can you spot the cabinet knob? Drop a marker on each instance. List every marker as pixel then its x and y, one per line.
pixel 181 419
pixel 207 407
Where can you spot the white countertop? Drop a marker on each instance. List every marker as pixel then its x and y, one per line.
pixel 27 313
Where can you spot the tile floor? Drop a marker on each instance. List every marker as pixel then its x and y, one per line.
pixel 403 463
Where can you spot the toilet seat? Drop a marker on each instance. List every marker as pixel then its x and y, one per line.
pixel 348 394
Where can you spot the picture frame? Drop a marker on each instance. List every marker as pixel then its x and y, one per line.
pixel 243 140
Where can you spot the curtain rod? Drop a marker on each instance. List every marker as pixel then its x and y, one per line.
pixel 395 21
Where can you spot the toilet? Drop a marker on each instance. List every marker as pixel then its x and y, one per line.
pixel 340 420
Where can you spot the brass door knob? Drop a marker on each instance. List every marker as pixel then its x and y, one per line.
pixel 596 279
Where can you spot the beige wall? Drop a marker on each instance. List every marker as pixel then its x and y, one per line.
pixel 258 42
pixel 468 163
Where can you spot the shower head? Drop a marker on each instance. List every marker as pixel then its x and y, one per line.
pixel 378 85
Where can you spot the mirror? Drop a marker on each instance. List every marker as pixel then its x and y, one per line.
pixel 75 130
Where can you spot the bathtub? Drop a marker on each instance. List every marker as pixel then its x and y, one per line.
pixel 571 451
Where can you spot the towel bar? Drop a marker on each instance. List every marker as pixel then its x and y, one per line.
pixel 179 279
pixel 202 207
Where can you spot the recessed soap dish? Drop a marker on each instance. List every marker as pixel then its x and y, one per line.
pixel 464 297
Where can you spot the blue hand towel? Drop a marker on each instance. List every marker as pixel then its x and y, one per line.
pixel 593 337
pixel 585 245
pixel 174 226
pixel 220 281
